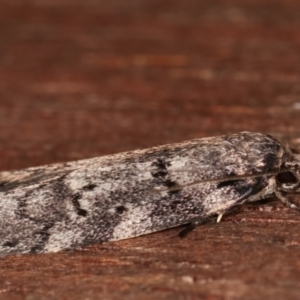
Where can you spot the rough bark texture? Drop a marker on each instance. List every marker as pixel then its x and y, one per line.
pixel 80 79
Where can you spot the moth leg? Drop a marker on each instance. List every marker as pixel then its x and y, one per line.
pixel 286 201
pixel 220 215
pixel 189 227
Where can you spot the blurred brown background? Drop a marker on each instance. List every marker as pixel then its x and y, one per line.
pixel 80 79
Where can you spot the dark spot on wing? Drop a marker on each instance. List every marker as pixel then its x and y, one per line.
pixel 120 209
pixel 172 185
pixel 174 204
pixel 169 183
pixel 43 238
pixel 160 163
pixel 10 244
pixel 89 187
pixel 161 173
pixel 160 168
pixel 75 201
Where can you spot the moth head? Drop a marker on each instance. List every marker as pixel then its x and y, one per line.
pixel 289 179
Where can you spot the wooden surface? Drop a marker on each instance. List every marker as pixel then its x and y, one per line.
pixel 80 79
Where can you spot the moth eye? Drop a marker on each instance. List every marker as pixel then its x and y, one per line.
pixel 286 178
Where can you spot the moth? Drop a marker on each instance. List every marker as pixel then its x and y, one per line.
pixel 69 205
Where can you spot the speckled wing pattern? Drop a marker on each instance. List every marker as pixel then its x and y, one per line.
pixel 64 206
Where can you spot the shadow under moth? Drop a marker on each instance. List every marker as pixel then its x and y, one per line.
pixel 69 205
